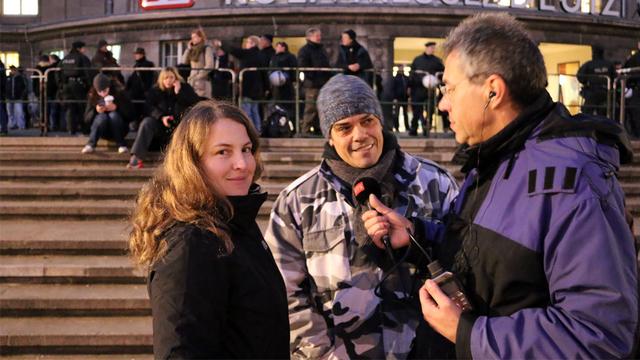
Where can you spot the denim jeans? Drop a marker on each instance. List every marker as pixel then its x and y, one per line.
pixel 107 126
pixel 252 110
pixel 16 115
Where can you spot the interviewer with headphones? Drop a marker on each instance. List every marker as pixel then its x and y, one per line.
pixel 537 237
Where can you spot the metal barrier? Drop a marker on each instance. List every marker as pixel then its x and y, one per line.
pixel 297 70
pixel 628 106
pixel 567 87
pixel 46 101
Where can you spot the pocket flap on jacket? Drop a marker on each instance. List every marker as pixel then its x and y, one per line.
pixel 323 240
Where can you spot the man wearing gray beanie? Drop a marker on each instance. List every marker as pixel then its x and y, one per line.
pixel 347 299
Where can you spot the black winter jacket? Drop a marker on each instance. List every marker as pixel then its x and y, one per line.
pixel 140 81
pixel 314 55
pixel 3 82
pixel 429 63
pixel 355 54
pixel 207 303
pixel 16 87
pixel 161 103
pixel 252 81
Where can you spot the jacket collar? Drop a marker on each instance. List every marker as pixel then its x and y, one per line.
pixel 511 139
pixel 246 207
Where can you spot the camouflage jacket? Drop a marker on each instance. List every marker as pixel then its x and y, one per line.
pixel 333 311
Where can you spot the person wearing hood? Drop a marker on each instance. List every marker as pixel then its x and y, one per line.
pixel 214 289
pixel 354 58
pixel 537 236
pixel 347 299
pixel 595 88
pixel 312 54
pixel 108 111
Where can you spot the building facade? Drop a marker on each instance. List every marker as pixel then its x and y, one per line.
pixel 392 30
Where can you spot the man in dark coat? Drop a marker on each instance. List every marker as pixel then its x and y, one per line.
pixel 138 84
pixel 75 84
pixel 592 75
pixel 354 58
pixel 428 65
pixel 312 54
pixel 283 94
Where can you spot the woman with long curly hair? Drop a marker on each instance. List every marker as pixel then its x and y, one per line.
pixel 214 287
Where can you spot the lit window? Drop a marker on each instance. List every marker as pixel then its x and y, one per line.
pixel 20 7
pixel 10 58
pixel 171 52
pixel 115 51
pixel 58 52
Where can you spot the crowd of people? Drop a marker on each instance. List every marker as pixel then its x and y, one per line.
pixel 412 96
pixel 379 254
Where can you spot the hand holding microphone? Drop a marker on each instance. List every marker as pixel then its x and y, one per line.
pixel 386 227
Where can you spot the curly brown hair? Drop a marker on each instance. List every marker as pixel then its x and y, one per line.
pixel 179 191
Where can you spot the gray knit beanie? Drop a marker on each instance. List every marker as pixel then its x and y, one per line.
pixel 343 96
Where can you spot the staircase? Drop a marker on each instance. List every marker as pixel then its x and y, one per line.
pixel 68 290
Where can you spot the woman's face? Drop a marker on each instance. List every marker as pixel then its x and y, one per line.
pixel 168 81
pixel 228 161
pixel 195 39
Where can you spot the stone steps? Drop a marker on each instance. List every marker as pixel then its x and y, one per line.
pixel 70 269
pixel 18 299
pixel 88 237
pixel 68 289
pixel 79 209
pixel 79 335
pixel 88 190
pixel 79 357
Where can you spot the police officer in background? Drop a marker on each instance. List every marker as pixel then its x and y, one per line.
pixel 594 84
pixel 429 63
pixel 75 84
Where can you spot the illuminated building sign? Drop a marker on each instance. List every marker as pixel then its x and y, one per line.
pixel 615 8
pixel 165 4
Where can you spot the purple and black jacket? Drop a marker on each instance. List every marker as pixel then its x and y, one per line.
pixel 539 240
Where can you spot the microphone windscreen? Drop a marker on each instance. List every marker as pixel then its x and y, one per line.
pixel 364 187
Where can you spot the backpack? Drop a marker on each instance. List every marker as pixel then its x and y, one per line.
pixel 278 124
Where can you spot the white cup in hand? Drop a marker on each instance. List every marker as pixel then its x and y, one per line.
pixel 108 100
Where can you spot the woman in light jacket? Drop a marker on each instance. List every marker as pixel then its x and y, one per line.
pixel 199 55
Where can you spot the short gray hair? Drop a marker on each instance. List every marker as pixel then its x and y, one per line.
pixel 310 31
pixel 496 43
